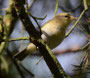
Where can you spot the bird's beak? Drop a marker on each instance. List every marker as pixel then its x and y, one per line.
pixel 73 18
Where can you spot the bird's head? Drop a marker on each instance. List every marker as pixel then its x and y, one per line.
pixel 65 18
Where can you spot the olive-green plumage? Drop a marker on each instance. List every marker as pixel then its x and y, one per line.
pixel 53 34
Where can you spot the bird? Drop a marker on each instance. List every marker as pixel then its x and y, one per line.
pixel 53 33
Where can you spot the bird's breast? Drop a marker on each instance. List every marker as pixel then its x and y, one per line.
pixel 53 39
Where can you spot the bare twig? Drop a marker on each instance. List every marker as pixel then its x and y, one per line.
pixel 57 3
pixel 36 17
pixel 85 9
pixel 20 38
pixel 39 60
pixel 31 4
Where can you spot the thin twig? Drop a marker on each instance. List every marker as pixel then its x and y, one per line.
pixel 39 60
pixel 31 4
pixel 85 9
pixel 35 16
pixel 57 3
pixel 17 39
pixel 85 46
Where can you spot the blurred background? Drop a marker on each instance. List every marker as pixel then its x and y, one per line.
pixel 74 62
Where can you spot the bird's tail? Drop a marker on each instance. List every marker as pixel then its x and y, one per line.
pixel 28 50
pixel 21 55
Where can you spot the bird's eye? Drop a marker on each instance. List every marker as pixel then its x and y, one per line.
pixel 66 16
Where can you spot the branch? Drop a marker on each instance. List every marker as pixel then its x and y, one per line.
pixel 73 49
pixel 30 5
pixel 16 39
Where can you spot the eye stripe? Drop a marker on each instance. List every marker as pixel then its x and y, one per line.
pixel 67 16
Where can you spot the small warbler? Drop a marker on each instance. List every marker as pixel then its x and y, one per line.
pixel 53 33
